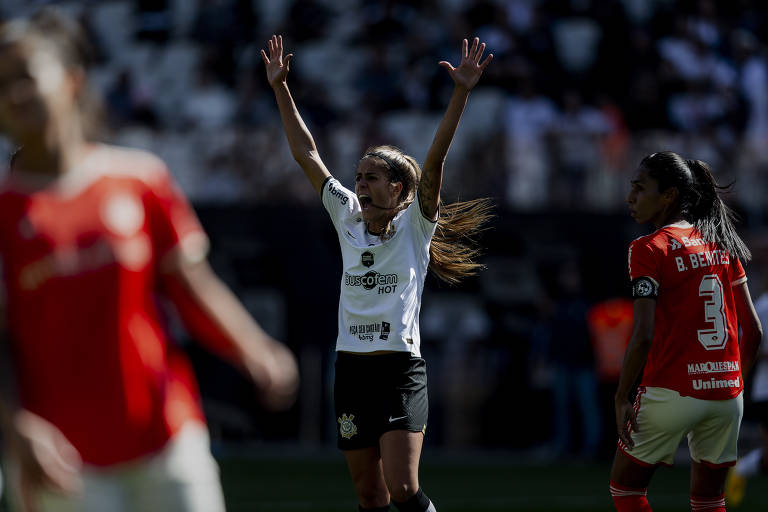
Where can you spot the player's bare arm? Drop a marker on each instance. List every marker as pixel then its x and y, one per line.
pixel 751 330
pixel 634 359
pixel 268 362
pixel 300 139
pixel 465 76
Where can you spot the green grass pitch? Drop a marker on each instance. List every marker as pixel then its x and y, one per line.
pixel 321 484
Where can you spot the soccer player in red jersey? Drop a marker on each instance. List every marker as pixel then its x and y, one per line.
pixel 690 300
pixel 99 410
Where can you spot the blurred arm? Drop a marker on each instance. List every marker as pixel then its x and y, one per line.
pixel 215 316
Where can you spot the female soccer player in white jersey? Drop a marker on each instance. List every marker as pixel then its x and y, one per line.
pixel 103 413
pixel 391 229
pixel 690 299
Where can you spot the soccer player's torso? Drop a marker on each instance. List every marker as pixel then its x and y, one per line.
pixel 79 264
pixel 382 278
pixel 695 348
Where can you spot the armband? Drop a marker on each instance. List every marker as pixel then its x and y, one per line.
pixel 644 288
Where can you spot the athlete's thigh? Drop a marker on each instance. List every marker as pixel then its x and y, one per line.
pixel 184 477
pixel 630 473
pixel 365 468
pixel 713 441
pixel 400 453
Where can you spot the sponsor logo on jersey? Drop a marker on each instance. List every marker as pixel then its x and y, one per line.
pixel 699 384
pixel 713 367
pixel 366 332
pixel 689 242
pixel 384 283
pixel 335 192
pixel 674 244
pixel 384 331
pixel 347 428
pixel 367 259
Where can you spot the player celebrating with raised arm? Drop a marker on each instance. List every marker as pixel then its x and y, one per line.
pixel 99 411
pixel 391 229
pixel 690 299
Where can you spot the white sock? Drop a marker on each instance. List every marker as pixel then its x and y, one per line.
pixel 750 464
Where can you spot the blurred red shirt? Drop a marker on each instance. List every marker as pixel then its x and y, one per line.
pixel 82 255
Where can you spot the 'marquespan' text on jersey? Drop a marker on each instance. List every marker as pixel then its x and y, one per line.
pixel 695 349
pixel 382 280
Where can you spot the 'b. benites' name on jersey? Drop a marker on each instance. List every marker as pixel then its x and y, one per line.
pixel 701 259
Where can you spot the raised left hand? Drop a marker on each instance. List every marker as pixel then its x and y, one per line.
pixel 470 68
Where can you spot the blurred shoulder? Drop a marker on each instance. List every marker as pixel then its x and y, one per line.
pixel 131 163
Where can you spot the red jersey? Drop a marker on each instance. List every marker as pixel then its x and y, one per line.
pixel 81 257
pixel 695 348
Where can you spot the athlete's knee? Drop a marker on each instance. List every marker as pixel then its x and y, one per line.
pixel 627 499
pixel 402 491
pixel 708 503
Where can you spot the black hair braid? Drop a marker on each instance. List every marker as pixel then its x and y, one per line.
pixel 711 216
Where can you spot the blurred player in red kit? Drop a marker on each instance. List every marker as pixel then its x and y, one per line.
pixel 99 411
pixel 690 300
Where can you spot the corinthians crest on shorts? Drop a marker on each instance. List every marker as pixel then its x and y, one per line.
pixel 346 427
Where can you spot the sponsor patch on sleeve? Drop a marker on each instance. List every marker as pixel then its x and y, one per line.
pixel 644 288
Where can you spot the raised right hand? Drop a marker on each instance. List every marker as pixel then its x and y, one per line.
pixel 276 64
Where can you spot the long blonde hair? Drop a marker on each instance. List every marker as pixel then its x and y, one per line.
pixel 454 249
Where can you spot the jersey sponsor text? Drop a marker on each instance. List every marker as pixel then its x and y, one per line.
pixel 699 384
pixel 387 283
pixel 713 367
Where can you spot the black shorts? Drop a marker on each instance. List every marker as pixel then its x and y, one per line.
pixel 374 394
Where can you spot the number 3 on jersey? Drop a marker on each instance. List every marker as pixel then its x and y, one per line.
pixel 715 337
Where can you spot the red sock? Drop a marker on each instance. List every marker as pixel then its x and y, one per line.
pixel 627 499
pixel 708 503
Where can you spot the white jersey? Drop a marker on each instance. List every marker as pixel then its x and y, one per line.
pixel 382 280
pixel 760 371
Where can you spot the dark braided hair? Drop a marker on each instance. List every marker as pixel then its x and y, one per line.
pixel 699 198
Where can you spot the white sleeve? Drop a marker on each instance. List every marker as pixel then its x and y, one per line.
pixel 424 227
pixel 340 202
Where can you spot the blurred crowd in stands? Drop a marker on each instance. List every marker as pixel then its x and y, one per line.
pixel 579 90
